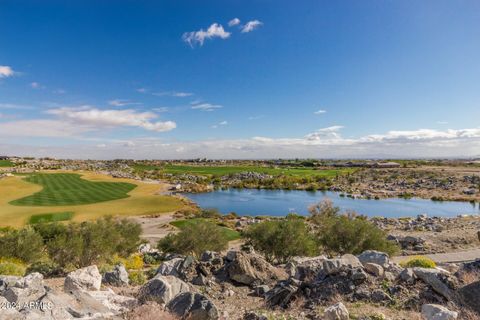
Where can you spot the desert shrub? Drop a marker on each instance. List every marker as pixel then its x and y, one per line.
pixel 83 244
pixel 422 262
pixel 348 233
pixel 12 267
pixel 210 214
pixel 47 268
pixel 195 238
pixel 24 244
pixel 137 278
pixel 134 262
pixel 282 239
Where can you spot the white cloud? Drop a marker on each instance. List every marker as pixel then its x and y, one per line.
pixel 325 133
pixel 14 106
pixel 35 85
pixel 222 123
pixel 442 122
pixel 326 143
pixel 234 22
pixel 41 128
pixel 161 109
pixel 122 103
pixel 141 90
pixel 198 37
pixel 320 111
pixel 251 25
pixel 6 71
pixel 205 106
pixel 173 94
pixel 96 118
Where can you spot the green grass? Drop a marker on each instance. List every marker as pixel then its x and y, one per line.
pixel 229 233
pixel 225 170
pixel 50 217
pixel 6 163
pixel 62 189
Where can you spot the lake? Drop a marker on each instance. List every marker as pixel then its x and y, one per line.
pixel 281 202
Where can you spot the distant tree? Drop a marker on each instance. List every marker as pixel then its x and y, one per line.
pixel 194 239
pixel 280 240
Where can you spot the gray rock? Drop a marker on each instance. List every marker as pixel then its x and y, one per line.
pixel 88 278
pixel 7 313
pixel 193 306
pixel 432 277
pixel 308 268
pixel 200 280
pixel 261 290
pixel 254 316
pixel 25 290
pixel 118 277
pixel 162 289
pixel 437 312
pixel 469 295
pixel 336 312
pixel 209 256
pixel 351 261
pixel 380 296
pixel 170 267
pixel 250 268
pixel 375 269
pixel 407 276
pixel 7 281
pixel 281 294
pixel 377 257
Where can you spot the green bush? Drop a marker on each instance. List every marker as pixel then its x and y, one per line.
pixel 279 240
pixel 12 267
pixel 194 239
pixel 47 268
pixel 348 233
pixel 24 244
pixel 210 214
pixel 422 262
pixel 83 244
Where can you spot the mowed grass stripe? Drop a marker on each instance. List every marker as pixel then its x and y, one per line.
pixel 61 189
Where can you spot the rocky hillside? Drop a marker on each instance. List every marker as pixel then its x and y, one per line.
pixel 243 285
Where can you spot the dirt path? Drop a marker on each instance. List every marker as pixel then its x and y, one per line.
pixel 451 257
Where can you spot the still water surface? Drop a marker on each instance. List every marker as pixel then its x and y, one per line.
pixel 281 202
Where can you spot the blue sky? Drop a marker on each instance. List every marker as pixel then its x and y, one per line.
pixel 181 79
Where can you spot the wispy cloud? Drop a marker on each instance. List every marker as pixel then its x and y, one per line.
pixel 96 118
pixel 141 90
pixel 205 106
pixel 14 106
pixel 220 124
pixel 442 122
pixel 251 25
pixel 177 94
pixel 198 37
pixel 255 117
pixel 234 22
pixel 122 103
pixel 6 71
pixel 320 112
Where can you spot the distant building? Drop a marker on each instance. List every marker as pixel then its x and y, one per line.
pixel 386 165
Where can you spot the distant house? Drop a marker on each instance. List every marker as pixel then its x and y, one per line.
pixel 386 165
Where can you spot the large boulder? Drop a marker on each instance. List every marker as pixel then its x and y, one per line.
pixel 162 289
pixel 26 290
pixel 336 312
pixel 88 278
pixel 7 313
pixel 307 268
pixel 7 281
pixel 117 277
pixel 437 279
pixel 375 269
pixel 193 306
pixel 170 267
pixel 251 268
pixel 377 257
pixel 437 312
pixel 469 296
